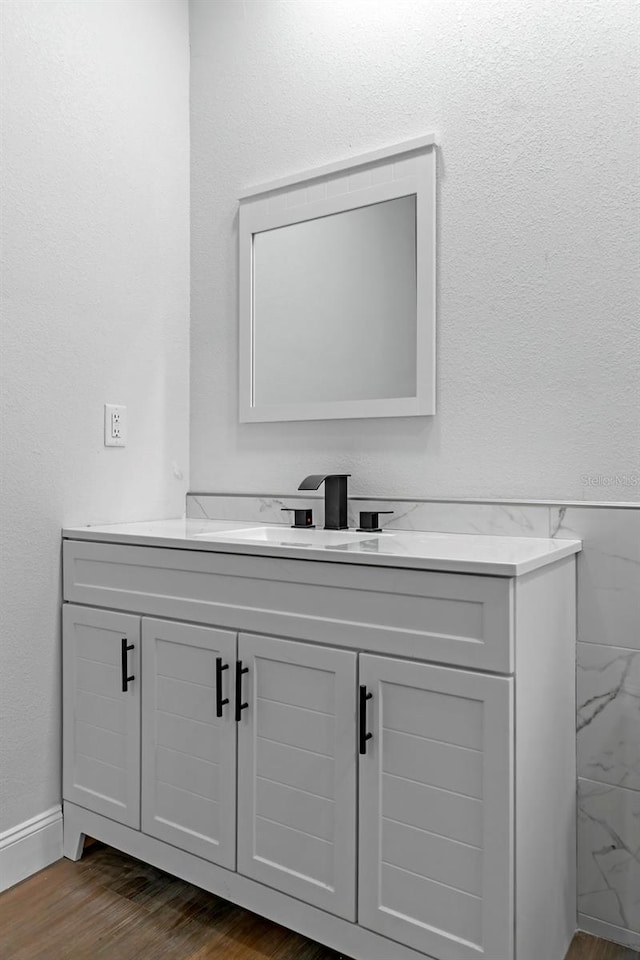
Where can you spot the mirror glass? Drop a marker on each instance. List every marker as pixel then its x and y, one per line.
pixel 334 307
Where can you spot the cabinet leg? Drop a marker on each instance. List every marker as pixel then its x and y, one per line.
pixel 72 840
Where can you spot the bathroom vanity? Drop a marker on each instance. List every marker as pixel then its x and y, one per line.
pixel 369 739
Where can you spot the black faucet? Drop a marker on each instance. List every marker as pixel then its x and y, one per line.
pixel 335 497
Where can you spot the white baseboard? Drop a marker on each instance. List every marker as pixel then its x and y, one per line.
pixel 30 846
pixel 609 931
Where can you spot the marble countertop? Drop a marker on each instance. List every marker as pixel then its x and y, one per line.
pixel 462 553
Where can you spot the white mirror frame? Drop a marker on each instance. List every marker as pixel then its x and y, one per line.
pixel 386 174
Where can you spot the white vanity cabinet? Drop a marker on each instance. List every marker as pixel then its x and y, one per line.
pixel 381 759
pixel 188 751
pixel 297 771
pixel 100 720
pixel 170 767
pixel 436 808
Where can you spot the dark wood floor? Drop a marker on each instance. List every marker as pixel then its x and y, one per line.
pixel 585 947
pixel 111 907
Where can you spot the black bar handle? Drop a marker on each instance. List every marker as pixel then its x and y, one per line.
pixel 240 706
pixel 362 726
pixel 124 648
pixel 220 666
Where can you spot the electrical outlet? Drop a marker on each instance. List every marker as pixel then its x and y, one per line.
pixel 115 425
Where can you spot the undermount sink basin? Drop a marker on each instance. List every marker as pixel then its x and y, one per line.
pixel 302 537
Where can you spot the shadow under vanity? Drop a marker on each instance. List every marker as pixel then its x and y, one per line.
pixel 370 742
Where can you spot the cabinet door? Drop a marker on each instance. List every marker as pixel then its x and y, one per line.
pixel 297 771
pixel 436 809
pixel 101 722
pixel 189 753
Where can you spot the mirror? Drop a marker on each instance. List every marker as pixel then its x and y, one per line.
pixel 336 294
pixel 334 307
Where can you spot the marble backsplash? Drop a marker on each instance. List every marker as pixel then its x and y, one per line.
pixel 608 666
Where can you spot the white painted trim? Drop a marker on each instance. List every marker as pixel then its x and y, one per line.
pixel 337 410
pixel 361 159
pixel 259 218
pixel 608 931
pixel 30 846
pixel 296 204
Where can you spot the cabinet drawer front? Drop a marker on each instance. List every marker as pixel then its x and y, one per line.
pixel 436 809
pixel 450 618
pixel 101 723
pixel 189 755
pixel 297 771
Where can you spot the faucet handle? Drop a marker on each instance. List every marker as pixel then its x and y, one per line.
pixel 369 521
pixel 301 518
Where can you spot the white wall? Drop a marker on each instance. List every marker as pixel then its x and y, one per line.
pixel 535 106
pixel 95 307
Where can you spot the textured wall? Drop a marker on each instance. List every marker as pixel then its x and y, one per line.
pixel 95 306
pixel 535 107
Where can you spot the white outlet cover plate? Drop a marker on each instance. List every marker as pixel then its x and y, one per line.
pixel 115 425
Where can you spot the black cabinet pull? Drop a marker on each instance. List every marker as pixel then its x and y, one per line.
pixel 220 666
pixel 362 726
pixel 125 647
pixel 240 706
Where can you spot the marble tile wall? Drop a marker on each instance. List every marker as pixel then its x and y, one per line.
pixel 608 668
pixel 608 720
